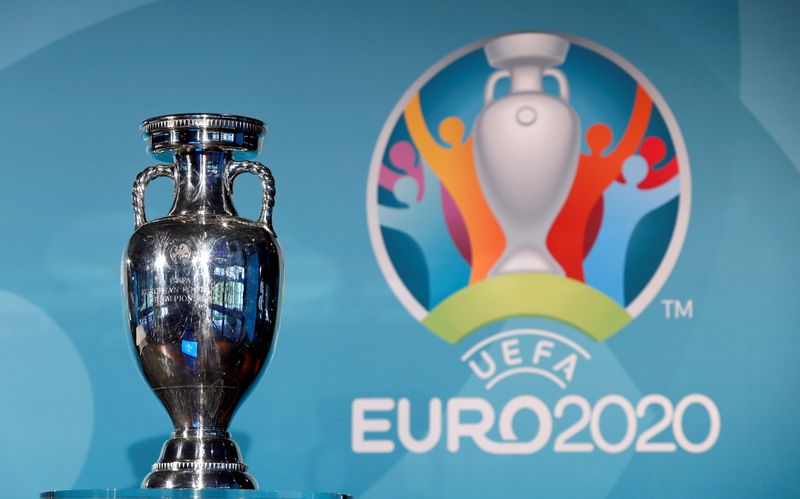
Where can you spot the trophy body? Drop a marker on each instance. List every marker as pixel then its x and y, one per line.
pixel 526 147
pixel 203 290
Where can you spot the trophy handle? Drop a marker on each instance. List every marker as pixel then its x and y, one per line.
pixel 488 92
pixel 234 168
pixel 563 84
pixel 140 185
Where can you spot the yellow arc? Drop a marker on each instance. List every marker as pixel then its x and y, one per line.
pixel 515 295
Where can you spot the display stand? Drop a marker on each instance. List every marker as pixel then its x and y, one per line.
pixel 187 494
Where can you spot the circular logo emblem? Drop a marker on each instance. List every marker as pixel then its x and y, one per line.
pixel 529 174
pixel 181 253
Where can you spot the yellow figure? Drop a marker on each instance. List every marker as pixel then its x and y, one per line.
pixel 455 168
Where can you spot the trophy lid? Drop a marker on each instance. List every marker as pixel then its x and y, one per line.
pixel 506 51
pixel 202 130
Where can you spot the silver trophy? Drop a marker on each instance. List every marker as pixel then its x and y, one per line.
pixel 203 288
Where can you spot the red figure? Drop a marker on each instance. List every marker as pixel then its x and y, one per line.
pixel 654 150
pixel 593 226
pixel 596 171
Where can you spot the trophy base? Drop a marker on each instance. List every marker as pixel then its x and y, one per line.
pixel 198 459
pixel 199 479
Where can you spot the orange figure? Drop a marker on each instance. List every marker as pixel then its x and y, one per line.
pixel 595 174
pixel 455 168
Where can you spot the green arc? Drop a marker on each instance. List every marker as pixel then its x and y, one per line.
pixel 514 295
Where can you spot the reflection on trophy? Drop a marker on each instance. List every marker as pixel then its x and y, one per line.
pixel 526 147
pixel 203 292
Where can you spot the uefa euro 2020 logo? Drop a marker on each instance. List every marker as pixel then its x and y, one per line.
pixel 531 178
pixel 530 174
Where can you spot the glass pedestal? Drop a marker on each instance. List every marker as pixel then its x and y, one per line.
pixel 186 494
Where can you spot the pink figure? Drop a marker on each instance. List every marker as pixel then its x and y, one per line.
pixel 456 226
pixel 403 157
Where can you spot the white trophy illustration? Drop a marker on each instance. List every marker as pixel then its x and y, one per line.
pixel 526 147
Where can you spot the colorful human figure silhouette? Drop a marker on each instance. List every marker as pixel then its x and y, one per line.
pixel 596 171
pixel 403 162
pixel 625 205
pixel 453 164
pixel 424 223
pixel 654 150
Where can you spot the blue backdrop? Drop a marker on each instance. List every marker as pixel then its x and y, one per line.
pixel 77 78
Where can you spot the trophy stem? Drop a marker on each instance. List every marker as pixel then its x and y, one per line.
pixel 199 459
pixel 519 259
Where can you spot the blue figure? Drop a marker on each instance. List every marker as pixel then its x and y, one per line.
pixel 424 222
pixel 624 206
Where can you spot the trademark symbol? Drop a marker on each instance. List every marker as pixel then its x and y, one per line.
pixel 677 309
